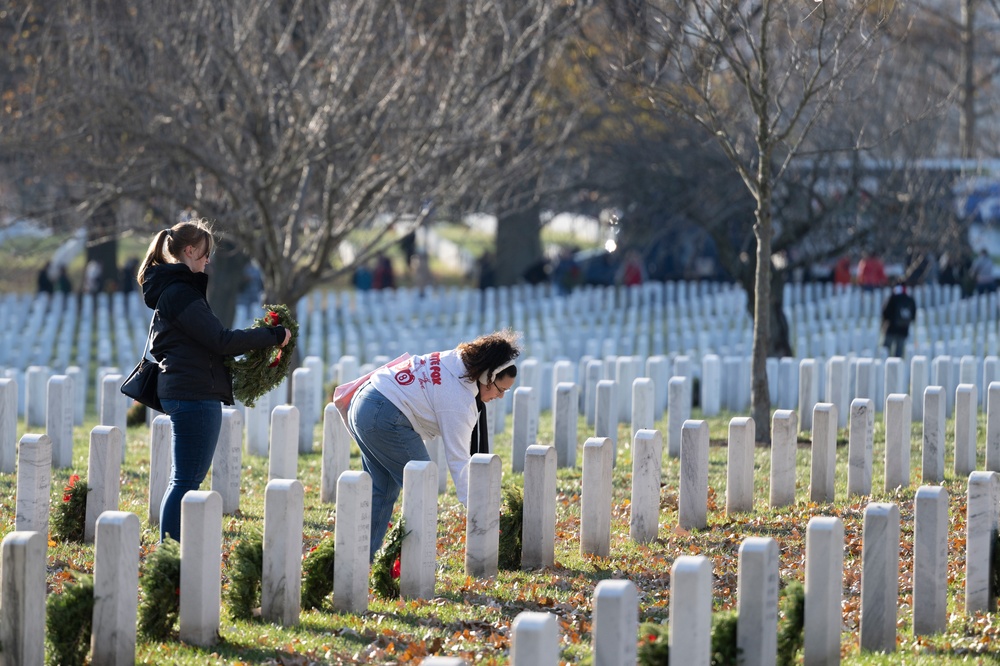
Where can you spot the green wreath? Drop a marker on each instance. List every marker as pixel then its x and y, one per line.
pixel 792 622
pixel 317 573
pixel 69 622
pixel 260 370
pixel 386 567
pixel 246 571
pixel 511 527
pixel 69 517
pixel 161 591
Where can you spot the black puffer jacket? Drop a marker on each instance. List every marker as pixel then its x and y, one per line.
pixel 189 341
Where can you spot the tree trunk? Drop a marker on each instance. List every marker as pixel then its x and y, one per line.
pixel 967 88
pixel 519 244
pixel 227 279
pixel 760 397
pixel 102 245
pixel 779 344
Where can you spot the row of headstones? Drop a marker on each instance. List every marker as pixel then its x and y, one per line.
pixel 53 401
pixel 694 448
pixel 933 412
pixel 128 343
pixel 936 304
pixel 50 312
pixel 381 319
pixel 401 305
pixel 736 398
pixel 56 324
pixel 525 420
pixel 692 438
pixel 117 542
pixel 201 539
pixel 808 302
pixel 846 378
pixel 802 384
pixel 32 386
pixel 35 456
pixel 550 339
pixel 980 339
pixel 792 383
pixel 800 293
pixel 53 405
pixel 284 425
pixel 534 635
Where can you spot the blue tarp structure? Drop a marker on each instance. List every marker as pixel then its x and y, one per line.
pixel 981 203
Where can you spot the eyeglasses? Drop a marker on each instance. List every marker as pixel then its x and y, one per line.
pixel 502 389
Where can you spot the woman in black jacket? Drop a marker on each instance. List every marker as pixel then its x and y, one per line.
pixel 191 345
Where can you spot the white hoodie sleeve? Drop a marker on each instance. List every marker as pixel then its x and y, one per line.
pixel 456 431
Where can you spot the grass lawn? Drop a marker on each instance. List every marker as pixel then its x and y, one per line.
pixel 471 618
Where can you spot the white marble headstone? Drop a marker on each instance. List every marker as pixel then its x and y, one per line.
pixel 281 582
pixel 538 530
pixel 336 453
pixel 103 476
pixel 34 482
pixel 647 455
pixel 201 582
pixel 116 580
pixel 284 453
pixel 482 535
pixel 692 510
pixel 879 577
pixel 595 500
pixel 740 464
pixel 930 561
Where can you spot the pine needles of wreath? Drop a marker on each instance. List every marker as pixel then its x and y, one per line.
pixel 317 573
pixel 69 622
pixel 246 571
pixel 69 517
pixel 511 522
pixel 160 583
pixel 385 572
pixel 260 370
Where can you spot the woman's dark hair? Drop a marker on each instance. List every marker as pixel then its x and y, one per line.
pixel 171 242
pixel 489 352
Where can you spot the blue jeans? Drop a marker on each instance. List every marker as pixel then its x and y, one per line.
pixel 196 425
pixel 387 442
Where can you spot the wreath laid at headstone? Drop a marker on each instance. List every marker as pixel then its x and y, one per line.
pixel 69 622
pixel 160 604
pixel 69 517
pixel 511 521
pixel 386 566
pixel 317 573
pixel 245 567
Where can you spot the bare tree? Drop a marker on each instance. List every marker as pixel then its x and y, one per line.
pixel 296 125
pixel 759 78
pixel 951 46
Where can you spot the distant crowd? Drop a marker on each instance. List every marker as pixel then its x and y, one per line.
pixel 974 275
pixel 53 279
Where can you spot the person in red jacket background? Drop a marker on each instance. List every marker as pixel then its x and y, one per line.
pixel 871 271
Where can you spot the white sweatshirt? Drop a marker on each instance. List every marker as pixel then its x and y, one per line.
pixel 429 391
